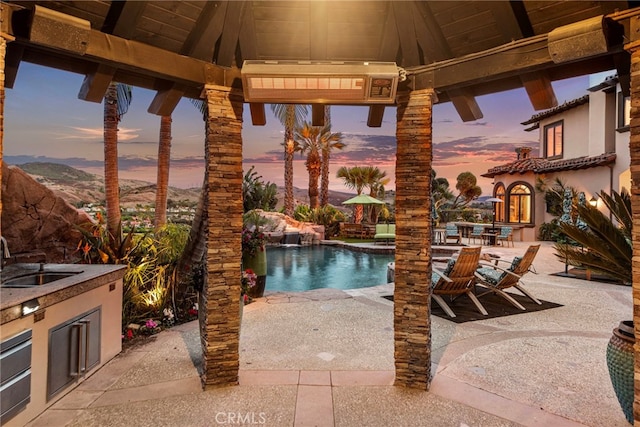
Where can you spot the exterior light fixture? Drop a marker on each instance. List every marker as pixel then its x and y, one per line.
pixel 30 306
pixel 593 202
pixel 321 82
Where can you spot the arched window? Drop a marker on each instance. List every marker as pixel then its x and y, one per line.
pixel 520 203
pixel 499 192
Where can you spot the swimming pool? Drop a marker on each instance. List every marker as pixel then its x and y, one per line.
pixel 313 267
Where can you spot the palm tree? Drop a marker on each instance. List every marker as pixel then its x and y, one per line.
pixel 602 246
pixel 328 141
pixel 162 185
pixel 354 178
pixel 308 138
pixel 376 180
pixel 290 116
pixel 116 103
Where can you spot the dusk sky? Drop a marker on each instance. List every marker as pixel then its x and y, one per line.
pixel 45 121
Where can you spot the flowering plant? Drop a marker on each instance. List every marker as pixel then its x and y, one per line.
pixel 252 241
pixel 248 281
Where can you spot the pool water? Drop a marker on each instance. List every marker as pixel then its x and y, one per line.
pixel 313 267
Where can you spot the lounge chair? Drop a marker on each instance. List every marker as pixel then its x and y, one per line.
pixel 506 235
pixel 457 279
pixel 451 232
pixel 476 233
pixel 386 232
pixel 496 279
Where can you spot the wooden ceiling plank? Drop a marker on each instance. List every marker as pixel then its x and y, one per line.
pixel 318 30
pixel 539 89
pixel 230 33
pixel 201 41
pixel 407 36
pixel 95 84
pixel 465 104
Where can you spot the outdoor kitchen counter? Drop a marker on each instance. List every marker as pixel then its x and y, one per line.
pixel 88 277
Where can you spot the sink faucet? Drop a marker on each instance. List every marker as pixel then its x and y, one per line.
pixel 4 247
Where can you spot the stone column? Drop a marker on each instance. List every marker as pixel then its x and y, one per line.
pixel 412 295
pixel 219 303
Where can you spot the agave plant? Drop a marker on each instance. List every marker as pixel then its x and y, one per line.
pixel 603 246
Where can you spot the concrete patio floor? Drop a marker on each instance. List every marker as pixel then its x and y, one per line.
pixel 325 358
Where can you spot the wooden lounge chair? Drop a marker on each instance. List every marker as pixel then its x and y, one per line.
pixel 496 279
pixel 451 232
pixel 457 279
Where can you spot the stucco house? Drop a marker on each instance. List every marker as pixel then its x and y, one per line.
pixel 584 142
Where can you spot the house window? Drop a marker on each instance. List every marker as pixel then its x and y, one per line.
pixel 624 112
pixel 520 204
pixel 500 194
pixel 553 140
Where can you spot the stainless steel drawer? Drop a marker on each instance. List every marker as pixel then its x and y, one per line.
pixel 15 384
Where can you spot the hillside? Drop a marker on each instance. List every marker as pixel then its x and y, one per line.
pixel 79 187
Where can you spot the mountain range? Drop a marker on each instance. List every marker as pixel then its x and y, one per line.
pixel 79 187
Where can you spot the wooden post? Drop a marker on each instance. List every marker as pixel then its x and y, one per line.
pixel 3 52
pixel 412 295
pixel 219 302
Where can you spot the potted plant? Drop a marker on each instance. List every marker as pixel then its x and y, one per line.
pixel 604 247
pixel 254 252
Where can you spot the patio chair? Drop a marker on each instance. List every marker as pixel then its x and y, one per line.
pixel 451 232
pixel 506 235
pixel 457 279
pixel 476 233
pixel 496 279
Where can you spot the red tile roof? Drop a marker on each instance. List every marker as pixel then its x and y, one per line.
pixel 539 165
pixel 535 119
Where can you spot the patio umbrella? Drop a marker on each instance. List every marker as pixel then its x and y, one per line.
pixel 362 199
pixel 494 200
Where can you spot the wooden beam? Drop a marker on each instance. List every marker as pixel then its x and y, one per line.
pixel 12 63
pixel 539 89
pixel 258 116
pixel 376 114
pixel 526 56
pixel 166 100
pixel 247 38
pixel 465 104
pixel 95 84
pixel 201 41
pixel 407 35
pixel 429 35
pixel 318 31
pixel 317 114
pixel 511 20
pixel 123 17
pixel 229 40
pixel 390 45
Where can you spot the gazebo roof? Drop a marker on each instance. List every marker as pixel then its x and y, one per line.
pixel 461 48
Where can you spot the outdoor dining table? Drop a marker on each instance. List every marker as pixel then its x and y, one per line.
pixel 491 235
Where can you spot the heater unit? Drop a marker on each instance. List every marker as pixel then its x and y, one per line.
pixel 309 82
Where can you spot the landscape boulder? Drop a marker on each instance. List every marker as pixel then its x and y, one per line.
pixel 35 220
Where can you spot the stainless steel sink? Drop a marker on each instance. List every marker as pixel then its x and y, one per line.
pixel 36 279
